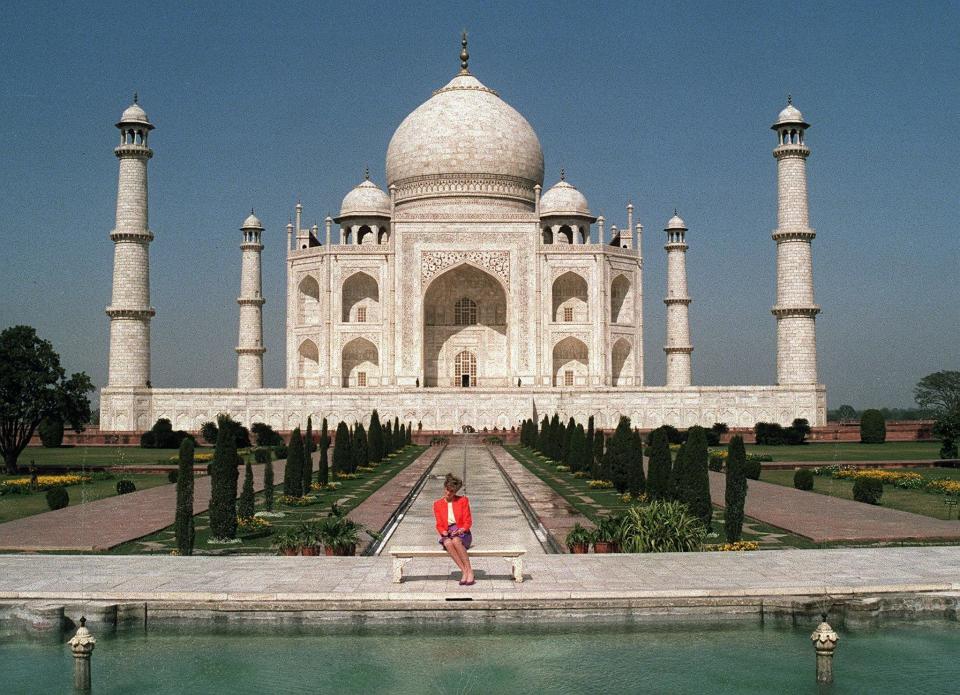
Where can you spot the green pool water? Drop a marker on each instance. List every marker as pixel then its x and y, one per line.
pixel 915 658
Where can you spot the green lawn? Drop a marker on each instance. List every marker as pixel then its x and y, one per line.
pixel 916 501
pixel 594 503
pixel 97 456
pixel 18 506
pixel 350 494
pixel 851 451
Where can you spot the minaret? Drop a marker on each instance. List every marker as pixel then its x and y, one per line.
pixel 130 311
pixel 250 345
pixel 678 347
pixel 795 309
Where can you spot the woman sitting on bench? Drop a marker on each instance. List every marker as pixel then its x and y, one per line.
pixel 452 512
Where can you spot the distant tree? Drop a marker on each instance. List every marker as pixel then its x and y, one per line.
pixel 183 520
pixel 873 428
pixel 163 436
pixel 659 485
pixel 306 469
pixel 33 386
pixel 735 493
pixel 342 458
pixel 599 450
pixel 636 480
pixel 359 451
pixel 323 474
pixel 799 430
pixel 846 412
pixel 618 456
pixel 223 481
pixel 375 444
pixel 938 394
pixel 208 431
pixel 51 432
pixel 264 434
pixel 242 436
pixel 693 477
pixel 292 477
pixel 246 505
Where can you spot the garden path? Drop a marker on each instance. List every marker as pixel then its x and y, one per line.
pixel 824 519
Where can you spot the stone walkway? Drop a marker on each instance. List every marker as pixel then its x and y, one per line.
pixel 106 523
pixel 824 519
pixel 497 518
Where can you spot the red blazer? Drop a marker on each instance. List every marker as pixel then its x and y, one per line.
pixel 461 512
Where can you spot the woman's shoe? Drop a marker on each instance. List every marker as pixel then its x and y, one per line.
pixel 470 583
pixel 461 582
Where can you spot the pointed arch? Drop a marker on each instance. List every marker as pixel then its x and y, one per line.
pixel 308 364
pixel 308 301
pixel 621 302
pixel 360 299
pixel 361 363
pixel 570 362
pixel 570 299
pixel 621 363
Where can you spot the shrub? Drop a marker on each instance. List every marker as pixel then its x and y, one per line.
pixel 803 479
pixel 659 479
pixel 753 466
pixel 868 490
pixel 57 497
pixel 948 450
pixel 770 434
pixel 183 520
pixel 264 434
pixel 51 432
pixel 578 536
pixel 735 492
pixel 261 455
pixel 162 436
pixel 125 486
pixel 280 451
pixel 873 428
pixel 173 475
pixel 223 483
pixel 674 436
pixel 661 527
pixel 209 432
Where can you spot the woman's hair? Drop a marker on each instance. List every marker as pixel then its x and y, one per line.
pixel 452 482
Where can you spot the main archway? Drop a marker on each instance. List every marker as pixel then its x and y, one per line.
pixel 465 310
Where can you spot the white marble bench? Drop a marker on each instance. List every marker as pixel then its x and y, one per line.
pixel 403 554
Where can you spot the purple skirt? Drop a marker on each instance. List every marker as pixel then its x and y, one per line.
pixel 466 538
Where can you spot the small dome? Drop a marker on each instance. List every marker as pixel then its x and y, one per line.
pixel 564 200
pixel 252 222
pixel 790 114
pixel 366 200
pixel 134 114
pixel 676 222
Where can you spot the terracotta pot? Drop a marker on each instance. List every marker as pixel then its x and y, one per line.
pixel 288 551
pixel 604 547
pixel 310 550
pixel 580 548
pixel 345 551
pixel 328 551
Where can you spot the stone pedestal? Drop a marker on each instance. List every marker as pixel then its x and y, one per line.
pixel 82 644
pixel 824 642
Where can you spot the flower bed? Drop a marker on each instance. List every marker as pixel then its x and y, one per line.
pixel 317 487
pixel 904 480
pixel 291 501
pixel 727 547
pixel 18 486
pixel 600 485
pixel 197 458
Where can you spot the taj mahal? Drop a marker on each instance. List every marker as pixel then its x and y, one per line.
pixel 463 294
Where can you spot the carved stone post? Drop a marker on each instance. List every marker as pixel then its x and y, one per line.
pixel 824 642
pixel 82 644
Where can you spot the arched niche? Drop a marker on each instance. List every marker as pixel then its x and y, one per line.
pixel 360 299
pixel 308 363
pixel 622 362
pixel 570 362
pixel 621 302
pixel 361 363
pixel 570 299
pixel 308 301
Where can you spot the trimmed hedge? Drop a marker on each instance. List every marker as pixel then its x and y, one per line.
pixel 51 432
pixel 868 490
pixel 803 479
pixel 873 428
pixel 57 497
pixel 125 487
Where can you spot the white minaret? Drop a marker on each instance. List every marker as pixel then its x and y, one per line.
pixel 130 311
pixel 250 347
pixel 795 309
pixel 678 347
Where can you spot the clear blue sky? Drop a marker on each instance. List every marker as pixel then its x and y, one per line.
pixel 660 104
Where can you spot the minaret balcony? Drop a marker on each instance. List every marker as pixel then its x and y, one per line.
pixel 130 313
pixel 795 311
pixel 251 301
pixel 795 234
pixel 131 150
pixel 791 150
pixel 677 300
pixel 131 235
pixel 250 350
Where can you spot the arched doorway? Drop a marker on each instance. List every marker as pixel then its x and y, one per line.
pixel 465 311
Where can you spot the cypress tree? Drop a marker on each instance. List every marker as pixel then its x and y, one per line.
pixel 306 467
pixel 554 441
pixel 409 439
pixel 183 524
pixel 268 482
pixel 596 463
pixel 397 442
pixel 375 444
pixel 693 478
pixel 590 433
pixel 323 475
pixel 618 458
pixel 245 506
pixel 659 480
pixel 543 437
pixel 223 481
pixel 292 478
pixel 403 434
pixel 568 441
pixel 359 449
pixel 736 489
pixel 341 449
pixel 636 480
pixel 577 449
pixel 388 437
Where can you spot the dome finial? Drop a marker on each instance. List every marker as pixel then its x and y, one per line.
pixel 464 56
pixel 563 174
pixel 789 99
pixel 366 173
pixel 134 97
pixel 251 211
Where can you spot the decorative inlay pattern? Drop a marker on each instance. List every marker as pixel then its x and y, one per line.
pixel 432 263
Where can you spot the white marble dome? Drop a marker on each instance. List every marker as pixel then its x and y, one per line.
pixel 252 222
pixel 676 222
pixel 134 114
pixel 465 128
pixel 791 114
pixel 564 200
pixel 366 200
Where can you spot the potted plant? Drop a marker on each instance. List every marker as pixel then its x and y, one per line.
pixel 606 538
pixel 288 542
pixel 578 539
pixel 310 539
pixel 338 534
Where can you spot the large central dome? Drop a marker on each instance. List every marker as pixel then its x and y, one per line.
pixel 465 141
